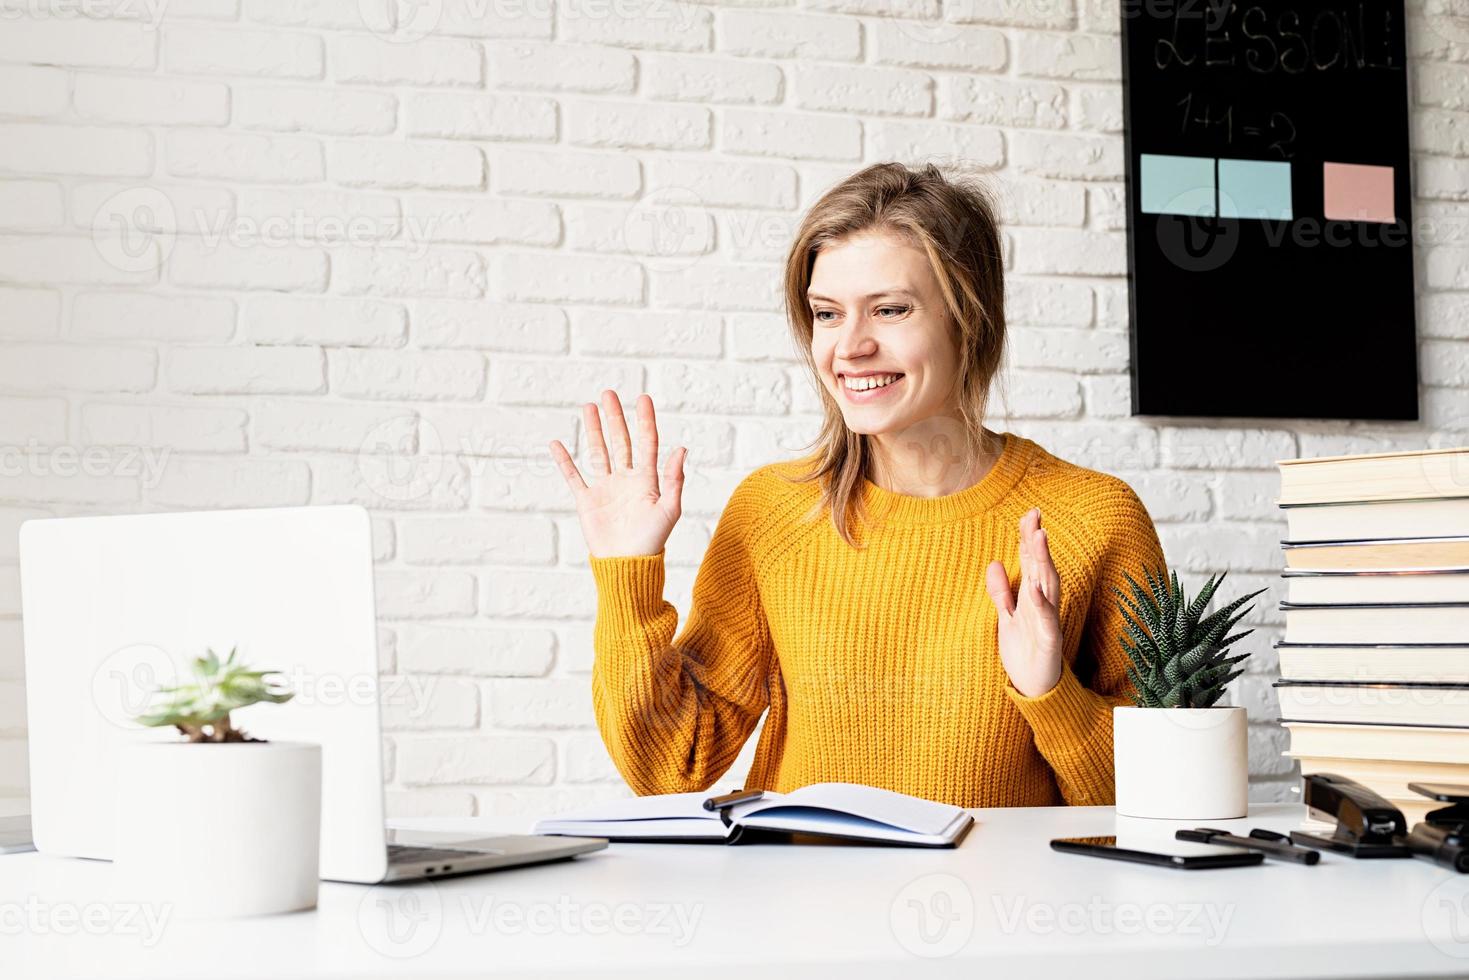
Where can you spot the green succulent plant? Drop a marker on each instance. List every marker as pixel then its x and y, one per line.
pixel 201 710
pixel 1179 660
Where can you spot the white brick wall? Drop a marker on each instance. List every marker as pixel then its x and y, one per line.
pixel 242 239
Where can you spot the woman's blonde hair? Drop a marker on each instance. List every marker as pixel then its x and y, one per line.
pixel 956 223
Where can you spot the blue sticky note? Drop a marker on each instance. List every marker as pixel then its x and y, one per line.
pixel 1254 189
pixel 1177 184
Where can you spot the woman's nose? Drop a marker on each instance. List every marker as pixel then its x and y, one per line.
pixel 855 339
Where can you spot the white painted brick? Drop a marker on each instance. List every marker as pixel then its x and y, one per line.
pixel 864 90
pixel 1107 207
pixel 26 90
pixel 427 803
pixel 529 805
pixel 803 136
pixel 1248 495
pixel 711 286
pixel 559 66
pixel 219 483
pixel 427 703
pixel 276 267
pixel 388 479
pixel 315 424
pixel 122 99
pixel 51 487
pixel 1040 395
pixel 1108 447
pixel 482 220
pixel 692 78
pixel 524 328
pixel 245 370
pixel 454 115
pixel 380 163
pixel 550 277
pixel 1444 315
pixel 1065 349
pixel 1067 157
pixel 185 428
pixel 1046 54
pixel 753 390
pixel 1221 545
pixel 429 61
pixel 517 381
pixel 540 703
pixel 309 13
pixel 1046 302
pixel 761 337
pixel 642 24
pixel 40 148
pixel 448 272
pixel 1108 396
pixel 1190 448
pixel 246 157
pixel 999 102
pixel 938 45
pixel 725 183
pixel 664 227
pixel 148 316
pixel 496 430
pixel 1172 496
pixel 430 375
pixel 424 594
pixel 607 123
pixel 69 259
pixel 1068 251
pixel 476 651
pixel 651 334
pixel 29 314
pixel 202 10
pixel 24 419
pixel 481 760
pixel 915 143
pixel 472 19
pixel 79 41
pixel 477 540
pixel 334 322
pixel 312 214
pixel 587 761
pixel 772 34
pixel 1097 107
pixel 159 209
pixel 1012 13
pixel 318 110
pixel 539 594
pixel 90 367
pixel 564 174
pixel 233 51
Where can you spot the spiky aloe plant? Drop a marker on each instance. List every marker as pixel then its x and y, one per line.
pixel 1178 659
pixel 201 710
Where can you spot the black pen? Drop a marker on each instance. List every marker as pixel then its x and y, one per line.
pixel 1268 842
pixel 730 799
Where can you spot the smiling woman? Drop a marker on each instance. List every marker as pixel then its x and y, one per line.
pixel 890 600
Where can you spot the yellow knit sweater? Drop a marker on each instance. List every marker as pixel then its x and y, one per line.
pixel 878 666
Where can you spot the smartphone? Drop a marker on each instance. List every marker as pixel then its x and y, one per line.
pixel 1106 847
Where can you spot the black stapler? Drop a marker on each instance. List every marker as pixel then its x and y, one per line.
pixel 1368 826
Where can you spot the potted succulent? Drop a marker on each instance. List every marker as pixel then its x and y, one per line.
pixel 219 823
pixel 1178 754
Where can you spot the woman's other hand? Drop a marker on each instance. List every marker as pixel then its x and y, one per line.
pixel 626 512
pixel 1030 621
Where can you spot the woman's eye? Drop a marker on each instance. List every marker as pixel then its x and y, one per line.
pixel 818 313
pixel 896 309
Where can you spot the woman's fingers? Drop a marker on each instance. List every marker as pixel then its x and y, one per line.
pixel 596 445
pixel 617 424
pixel 673 481
pixel 997 583
pixel 567 465
pixel 648 433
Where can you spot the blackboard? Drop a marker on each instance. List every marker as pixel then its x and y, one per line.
pixel 1270 254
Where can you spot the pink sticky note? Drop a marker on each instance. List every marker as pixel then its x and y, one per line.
pixel 1358 192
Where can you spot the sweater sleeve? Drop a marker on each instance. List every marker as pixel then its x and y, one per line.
pixel 1072 722
pixel 674 713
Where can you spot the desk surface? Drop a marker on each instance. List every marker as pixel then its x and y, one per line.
pixel 1002 904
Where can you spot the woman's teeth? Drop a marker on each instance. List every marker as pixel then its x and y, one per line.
pixel 873 381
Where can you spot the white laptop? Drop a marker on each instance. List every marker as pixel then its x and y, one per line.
pixel 115 606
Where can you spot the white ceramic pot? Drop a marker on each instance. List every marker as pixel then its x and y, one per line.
pixel 217 830
pixel 1181 763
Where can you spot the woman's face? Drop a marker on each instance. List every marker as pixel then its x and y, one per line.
pixel 876 310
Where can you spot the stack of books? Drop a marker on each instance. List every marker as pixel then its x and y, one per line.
pixel 1374 666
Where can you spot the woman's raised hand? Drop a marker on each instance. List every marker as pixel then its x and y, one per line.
pixel 625 512
pixel 1030 621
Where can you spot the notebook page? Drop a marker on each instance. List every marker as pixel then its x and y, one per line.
pixel 658 807
pixel 910 813
pixel 819 821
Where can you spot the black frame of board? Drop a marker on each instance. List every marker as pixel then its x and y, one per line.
pixel 1226 316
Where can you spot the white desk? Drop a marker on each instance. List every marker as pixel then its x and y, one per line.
pixel 1013 908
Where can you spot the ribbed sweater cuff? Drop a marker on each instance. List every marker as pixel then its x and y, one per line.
pixel 1065 713
pixel 629 589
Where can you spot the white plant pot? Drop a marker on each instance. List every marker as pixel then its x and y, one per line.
pixel 218 830
pixel 1181 763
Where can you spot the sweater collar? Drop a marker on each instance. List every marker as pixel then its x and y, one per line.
pixel 891 508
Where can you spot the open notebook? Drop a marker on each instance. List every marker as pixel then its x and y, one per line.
pixel 843 811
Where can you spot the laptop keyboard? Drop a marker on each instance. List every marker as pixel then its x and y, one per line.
pixel 411 854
